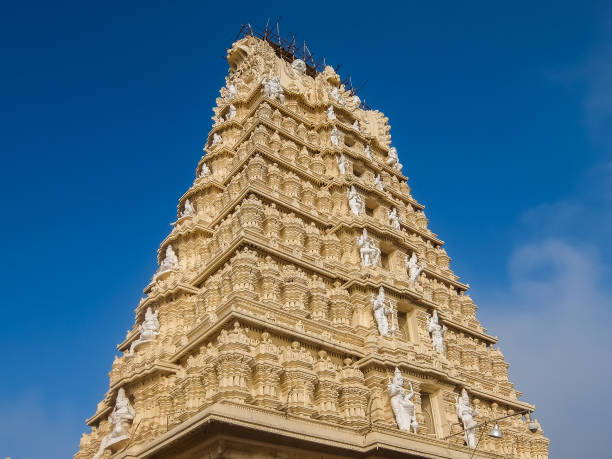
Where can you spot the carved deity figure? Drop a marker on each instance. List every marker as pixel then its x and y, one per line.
pixel 217 139
pixel 394 220
pixel 381 309
pixel 189 210
pixel 148 330
pixel 120 418
pixel 231 114
pixel 342 163
pixel 335 93
pixel 370 254
pixel 467 415
pixel 393 159
pixel 331 115
pixel 273 89
pixel 367 150
pixel 204 171
pixel 299 66
pixel 170 261
pixel 413 267
pixel 401 403
pixel 378 183
pixel 437 331
pixel 356 126
pixel 232 91
pixel 335 137
pixel 355 201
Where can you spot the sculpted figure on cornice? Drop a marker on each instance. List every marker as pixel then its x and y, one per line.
pixel 148 330
pixel 393 159
pixel 342 163
pixel 401 403
pixel 413 267
pixel 467 415
pixel 189 210
pixel 383 309
pixel 299 66
pixel 370 254
pixel 331 115
pixel 378 183
pixel 217 139
pixel 120 418
pixel 356 126
pixel 355 201
pixel 335 94
pixel 335 137
pixel 250 60
pixel 231 114
pixel 272 88
pixel 170 261
pixel 437 331
pixel 394 220
pixel 204 171
pixel 367 151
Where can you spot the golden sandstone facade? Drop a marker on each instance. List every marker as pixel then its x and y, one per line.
pixel 302 307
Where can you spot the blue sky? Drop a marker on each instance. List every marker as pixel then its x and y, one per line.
pixel 501 113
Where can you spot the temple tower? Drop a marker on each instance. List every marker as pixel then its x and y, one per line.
pixel 302 307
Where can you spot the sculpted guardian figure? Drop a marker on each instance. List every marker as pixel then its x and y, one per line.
pixel 413 267
pixel 170 262
pixel 356 126
pixel 393 218
pixel 367 150
pixel 335 137
pixel 331 115
pixel 273 89
pixel 120 418
pixel 231 91
pixel 148 330
pixel 217 139
pixel 370 254
pixel 380 310
pixel 393 159
pixel 232 112
pixel 337 97
pixel 378 183
pixel 189 210
pixel 355 201
pixel 401 403
pixel 204 171
pixel 342 163
pixel 437 331
pixel 467 415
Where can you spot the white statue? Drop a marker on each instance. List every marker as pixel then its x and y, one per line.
pixel 378 183
pixel 370 254
pixel 337 97
pixel 204 171
pixel 273 89
pixel 217 139
pixel 356 126
pixel 437 331
pixel 232 112
pixel 120 418
pixel 342 163
pixel 189 210
pixel 414 269
pixel 331 115
pixel 170 262
pixel 393 159
pixel 335 136
pixel 299 66
pixel 368 152
pixel 232 91
pixel 467 415
pixel 401 403
pixel 148 330
pixel 355 201
pixel 381 309
pixel 394 218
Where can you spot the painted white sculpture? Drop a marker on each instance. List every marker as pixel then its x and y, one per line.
pixel 368 152
pixel 356 126
pixel 335 137
pixel 401 403
pixel 394 220
pixel 355 201
pixel 370 254
pixel 413 267
pixel 437 331
pixel 232 91
pixel 232 112
pixel 120 418
pixel 170 261
pixel 217 139
pixel 342 163
pixel 204 171
pixel 148 330
pixel 393 159
pixel 273 89
pixel 381 308
pixel 189 210
pixel 331 115
pixel 378 183
pixel 467 415
pixel 337 97
pixel 299 66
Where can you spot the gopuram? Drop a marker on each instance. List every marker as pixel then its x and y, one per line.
pixel 302 307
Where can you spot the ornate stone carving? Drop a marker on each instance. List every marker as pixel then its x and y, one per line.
pixel 335 93
pixel 217 140
pixel 378 183
pixel 272 88
pixel 356 126
pixel 231 114
pixel 413 267
pixel 204 171
pixel 394 220
pixel 189 210
pixel 384 312
pixel 356 203
pixel 299 66
pixel 370 254
pixel 331 115
pixel 437 331
pixel 335 137
pixel 232 92
pixel 367 151
pixel 401 403
pixel 148 330
pixel 342 164
pixel 120 420
pixel 170 262
pixel 466 414
pixel 393 159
